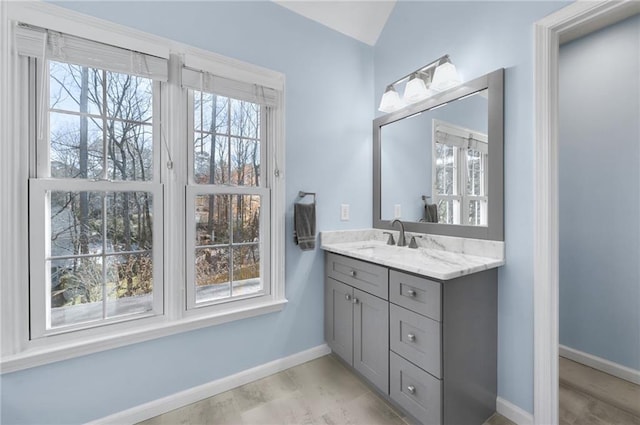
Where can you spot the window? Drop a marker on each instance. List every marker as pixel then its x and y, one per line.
pixel 154 204
pixel 228 197
pixel 95 194
pixel 460 177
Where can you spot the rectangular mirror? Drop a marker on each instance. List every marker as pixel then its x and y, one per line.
pixel 438 164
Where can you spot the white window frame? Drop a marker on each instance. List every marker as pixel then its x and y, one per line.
pixel 461 209
pixel 18 350
pixel 39 212
pixel 195 189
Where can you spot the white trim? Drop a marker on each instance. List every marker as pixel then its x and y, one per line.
pixel 573 20
pixel 192 395
pixel 603 365
pixel 513 412
pixel 40 356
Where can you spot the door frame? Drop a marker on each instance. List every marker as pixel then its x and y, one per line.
pixel 568 23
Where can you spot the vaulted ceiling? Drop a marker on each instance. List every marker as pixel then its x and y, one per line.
pixel 360 19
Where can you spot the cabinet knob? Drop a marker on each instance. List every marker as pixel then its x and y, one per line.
pixel 352 273
pixel 355 300
pixel 411 292
pixel 411 337
pixel 347 297
pixel 411 389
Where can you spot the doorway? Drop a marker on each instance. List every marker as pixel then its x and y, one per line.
pixel 569 23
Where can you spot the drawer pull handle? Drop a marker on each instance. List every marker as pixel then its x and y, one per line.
pixel 411 337
pixel 356 301
pixel 411 292
pixel 411 389
pixel 347 297
pixel 352 273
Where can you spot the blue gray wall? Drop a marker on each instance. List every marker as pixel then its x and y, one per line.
pixel 329 93
pixel 599 173
pixel 481 37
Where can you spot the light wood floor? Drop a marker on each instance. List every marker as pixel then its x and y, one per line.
pixel 325 392
pixel 588 396
pixel 322 391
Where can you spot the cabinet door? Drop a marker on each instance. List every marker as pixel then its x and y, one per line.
pixel 371 338
pixel 338 327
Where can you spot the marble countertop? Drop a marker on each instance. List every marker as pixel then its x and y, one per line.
pixel 431 262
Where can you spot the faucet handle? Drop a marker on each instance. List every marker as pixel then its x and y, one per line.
pixel 390 241
pixel 413 243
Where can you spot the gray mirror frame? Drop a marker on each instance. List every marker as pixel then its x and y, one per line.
pixel 494 230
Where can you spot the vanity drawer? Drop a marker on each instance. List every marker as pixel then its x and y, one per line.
pixel 367 277
pixel 415 293
pixel 416 338
pixel 415 390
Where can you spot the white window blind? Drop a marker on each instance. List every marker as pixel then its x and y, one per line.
pixel 450 136
pixel 205 81
pixel 34 42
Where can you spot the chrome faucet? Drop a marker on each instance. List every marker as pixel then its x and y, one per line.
pixel 401 239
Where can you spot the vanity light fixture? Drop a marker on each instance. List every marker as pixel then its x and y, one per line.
pixel 437 76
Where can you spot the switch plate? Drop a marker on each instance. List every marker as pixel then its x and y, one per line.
pixel 397 211
pixel 344 212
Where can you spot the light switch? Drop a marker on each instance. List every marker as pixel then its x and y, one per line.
pixel 344 212
pixel 397 211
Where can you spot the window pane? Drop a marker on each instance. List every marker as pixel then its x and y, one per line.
pixel 204 166
pixel 246 270
pixel 445 183
pixel 75 88
pixel 448 211
pixel 209 113
pixel 475 173
pixel 129 284
pixel 130 151
pixel 222 114
pixel 477 212
pixel 246 218
pixel 129 97
pixel 245 162
pixel 221 160
pixel 76 146
pixel 212 274
pixel 212 219
pixel 129 221
pixel 75 223
pixel 76 290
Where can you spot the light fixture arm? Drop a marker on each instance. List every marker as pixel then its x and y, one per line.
pixel 426 69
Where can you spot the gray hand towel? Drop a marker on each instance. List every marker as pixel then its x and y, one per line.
pixel 304 226
pixel 431 213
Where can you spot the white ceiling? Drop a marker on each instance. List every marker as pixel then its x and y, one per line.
pixel 360 19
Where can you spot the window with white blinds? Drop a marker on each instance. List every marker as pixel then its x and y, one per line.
pixel 95 196
pixel 154 200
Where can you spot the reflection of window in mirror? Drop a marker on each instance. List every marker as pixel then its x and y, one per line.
pixel 459 174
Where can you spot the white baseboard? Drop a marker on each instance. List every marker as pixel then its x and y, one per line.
pixel 603 365
pixel 192 395
pixel 513 412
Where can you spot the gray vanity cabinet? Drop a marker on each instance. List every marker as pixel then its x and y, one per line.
pixel 357 322
pixel 428 345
